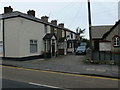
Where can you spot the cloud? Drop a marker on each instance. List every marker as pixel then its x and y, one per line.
pixel 58 0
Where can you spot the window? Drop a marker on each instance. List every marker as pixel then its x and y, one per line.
pixel 45 46
pixel 69 45
pixel 45 28
pixel 48 45
pixel 116 41
pixel 55 31
pixel 71 35
pixel 33 46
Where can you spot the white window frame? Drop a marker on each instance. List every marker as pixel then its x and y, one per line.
pixel 116 41
pixel 34 43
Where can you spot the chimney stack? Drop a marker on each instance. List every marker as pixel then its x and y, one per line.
pixel 54 22
pixel 8 9
pixel 31 13
pixel 61 25
pixel 44 18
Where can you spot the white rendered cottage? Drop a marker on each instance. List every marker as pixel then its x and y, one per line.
pixel 25 36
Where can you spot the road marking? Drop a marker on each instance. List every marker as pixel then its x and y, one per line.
pixel 90 69
pixel 62 73
pixel 43 85
pixel 101 70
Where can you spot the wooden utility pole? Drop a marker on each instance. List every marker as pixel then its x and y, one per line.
pixel 90 24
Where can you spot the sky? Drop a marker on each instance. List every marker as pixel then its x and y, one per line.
pixel 73 13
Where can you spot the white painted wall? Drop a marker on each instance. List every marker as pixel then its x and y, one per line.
pixel 73 35
pixel 1 38
pixel 48 27
pixel 68 33
pixel 18 33
pixel 1 31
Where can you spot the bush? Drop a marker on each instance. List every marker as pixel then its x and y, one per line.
pixel 108 62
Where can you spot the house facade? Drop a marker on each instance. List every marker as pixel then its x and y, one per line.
pixel 97 34
pixel 106 42
pixel 113 37
pixel 106 38
pixel 23 35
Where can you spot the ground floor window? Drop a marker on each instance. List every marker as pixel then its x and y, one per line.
pixel 47 45
pixel 33 46
pixel 69 45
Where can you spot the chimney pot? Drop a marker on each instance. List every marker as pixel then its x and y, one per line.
pixel 31 13
pixel 44 18
pixel 61 25
pixel 8 9
pixel 54 22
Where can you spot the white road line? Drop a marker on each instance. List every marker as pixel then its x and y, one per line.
pixel 101 70
pixel 90 69
pixel 44 85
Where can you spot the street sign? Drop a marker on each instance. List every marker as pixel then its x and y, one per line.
pixel 105 46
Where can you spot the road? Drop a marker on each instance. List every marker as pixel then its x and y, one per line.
pixel 6 83
pixel 56 79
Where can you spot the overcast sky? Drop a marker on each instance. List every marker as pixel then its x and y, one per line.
pixel 72 13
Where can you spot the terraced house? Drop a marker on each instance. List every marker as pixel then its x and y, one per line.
pixel 25 36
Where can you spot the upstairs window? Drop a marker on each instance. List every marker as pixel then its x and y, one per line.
pixel 71 35
pixel 55 31
pixel 116 41
pixel 45 28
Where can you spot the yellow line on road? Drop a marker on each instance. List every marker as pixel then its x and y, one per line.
pixel 76 75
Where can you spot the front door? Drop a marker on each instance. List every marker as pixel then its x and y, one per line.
pixel 53 49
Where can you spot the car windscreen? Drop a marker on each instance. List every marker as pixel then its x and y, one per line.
pixel 81 48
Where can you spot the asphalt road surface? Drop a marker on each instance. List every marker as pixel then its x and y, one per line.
pixel 53 79
pixel 6 83
pixel 16 84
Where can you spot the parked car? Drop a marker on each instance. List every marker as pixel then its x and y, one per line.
pixel 80 50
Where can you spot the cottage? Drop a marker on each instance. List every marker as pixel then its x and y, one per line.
pixel 97 34
pixel 25 36
pixel 106 42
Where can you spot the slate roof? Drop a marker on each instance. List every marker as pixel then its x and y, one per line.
pixel 107 33
pixel 23 15
pixel 48 36
pixel 99 31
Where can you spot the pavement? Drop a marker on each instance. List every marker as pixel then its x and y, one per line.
pixel 67 64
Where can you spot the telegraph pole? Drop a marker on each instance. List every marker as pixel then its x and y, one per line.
pixel 90 24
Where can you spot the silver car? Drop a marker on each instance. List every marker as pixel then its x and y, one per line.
pixel 80 50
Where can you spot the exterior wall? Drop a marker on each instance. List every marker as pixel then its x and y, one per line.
pixel 74 36
pixel 59 33
pixel 68 34
pixel 51 29
pixel 63 33
pixel 111 35
pixel 18 33
pixel 1 38
pixel 1 31
pixel 48 29
pixel 119 10
pixel 93 47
